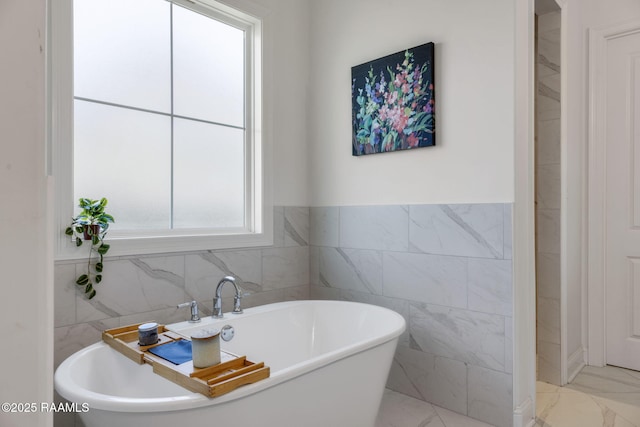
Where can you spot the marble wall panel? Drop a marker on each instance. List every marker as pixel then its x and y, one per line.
pixel 548 186
pixel 296 226
pixel 508 345
pixel 549 52
pixel 427 278
pixel 490 396
pixel 69 339
pixel 285 267
pixel 314 265
pixel 351 269
pixel 508 232
pixel 547 145
pixel 549 22
pixel 548 275
pixel 460 230
pixel 548 231
pixel 548 320
pixel 374 227
pixel 132 286
pixel 164 316
pixel 548 98
pixel 205 269
pixel 270 296
pixel 278 226
pixel 295 293
pixel 548 355
pixel 490 286
pixel 324 226
pixel 64 294
pixel 431 378
pixel 472 337
pixel 548 195
pixel 324 293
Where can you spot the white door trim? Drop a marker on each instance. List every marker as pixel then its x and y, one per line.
pixel 564 217
pixel 524 295
pixel 598 39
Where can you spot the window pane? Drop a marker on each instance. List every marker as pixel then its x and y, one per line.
pixel 208 175
pixel 122 52
pixel 125 156
pixel 208 68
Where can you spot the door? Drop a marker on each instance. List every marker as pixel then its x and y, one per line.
pixel 622 201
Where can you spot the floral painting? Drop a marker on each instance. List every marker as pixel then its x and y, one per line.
pixel 393 102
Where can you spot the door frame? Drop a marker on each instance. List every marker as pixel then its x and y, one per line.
pixel 598 39
pixel 524 286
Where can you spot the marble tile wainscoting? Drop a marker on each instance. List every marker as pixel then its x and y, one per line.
pixel 144 288
pixel 448 270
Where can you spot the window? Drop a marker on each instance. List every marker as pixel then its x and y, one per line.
pixel 166 110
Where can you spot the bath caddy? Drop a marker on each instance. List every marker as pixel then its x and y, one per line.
pixel 232 372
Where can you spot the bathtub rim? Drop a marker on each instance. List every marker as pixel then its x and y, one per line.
pixel 189 400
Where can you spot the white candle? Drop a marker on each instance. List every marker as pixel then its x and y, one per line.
pixel 205 347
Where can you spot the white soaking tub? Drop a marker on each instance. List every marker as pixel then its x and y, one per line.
pixel 329 364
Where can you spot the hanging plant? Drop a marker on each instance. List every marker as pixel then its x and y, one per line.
pixel 91 225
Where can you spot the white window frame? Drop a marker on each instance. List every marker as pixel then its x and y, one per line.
pixel 258 199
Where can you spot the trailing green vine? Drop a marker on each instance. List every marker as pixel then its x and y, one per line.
pixel 91 224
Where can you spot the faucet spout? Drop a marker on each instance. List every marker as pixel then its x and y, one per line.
pixel 217 300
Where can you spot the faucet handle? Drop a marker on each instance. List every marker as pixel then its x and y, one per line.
pixel 236 303
pixel 195 317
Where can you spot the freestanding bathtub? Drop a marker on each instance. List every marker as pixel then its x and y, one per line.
pixel 329 364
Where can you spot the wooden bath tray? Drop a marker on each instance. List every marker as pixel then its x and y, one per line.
pixel 232 372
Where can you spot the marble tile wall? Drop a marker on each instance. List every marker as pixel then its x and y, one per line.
pixel 144 288
pixel 447 269
pixel 548 197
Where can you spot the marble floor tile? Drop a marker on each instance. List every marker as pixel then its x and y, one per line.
pixel 556 407
pixel 625 411
pixel 597 397
pixel 453 419
pixel 608 379
pixel 571 408
pixel 400 410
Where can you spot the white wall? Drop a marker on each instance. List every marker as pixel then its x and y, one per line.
pixel 25 260
pixel 473 159
pixel 573 154
pixel 286 57
pixel 289 21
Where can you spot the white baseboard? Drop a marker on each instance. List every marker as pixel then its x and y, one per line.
pixel 576 362
pixel 523 415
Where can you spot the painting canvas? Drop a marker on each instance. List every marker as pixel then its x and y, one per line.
pixel 393 102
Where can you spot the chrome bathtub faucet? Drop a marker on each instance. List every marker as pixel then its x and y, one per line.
pixel 217 300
